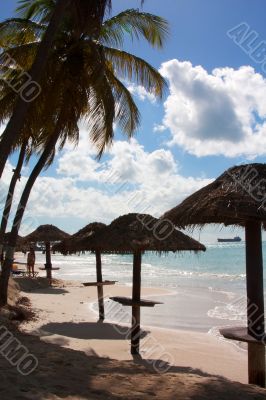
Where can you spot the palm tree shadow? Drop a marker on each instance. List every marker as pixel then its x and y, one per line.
pixel 65 373
pixel 89 330
pixel 161 367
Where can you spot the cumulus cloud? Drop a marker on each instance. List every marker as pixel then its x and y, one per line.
pixel 4 184
pixel 135 180
pixel 159 128
pixel 217 113
pixel 130 179
pixel 79 161
pixel 141 93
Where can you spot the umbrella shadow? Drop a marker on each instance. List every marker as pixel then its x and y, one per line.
pixel 52 290
pixel 38 285
pixel 90 330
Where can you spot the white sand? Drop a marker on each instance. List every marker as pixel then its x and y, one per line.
pixel 80 359
pixel 65 318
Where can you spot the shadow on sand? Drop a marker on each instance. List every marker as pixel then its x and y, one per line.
pixel 52 290
pixel 38 285
pixel 90 330
pixel 71 374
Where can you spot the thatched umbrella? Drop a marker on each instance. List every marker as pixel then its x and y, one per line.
pixel 237 197
pixel 73 243
pixel 136 233
pixel 80 241
pixel 46 234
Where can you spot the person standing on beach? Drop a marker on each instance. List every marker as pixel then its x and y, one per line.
pixel 31 262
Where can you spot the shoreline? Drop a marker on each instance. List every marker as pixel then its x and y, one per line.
pixel 66 319
pixel 203 299
pixel 214 331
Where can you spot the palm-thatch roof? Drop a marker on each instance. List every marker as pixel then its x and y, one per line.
pixel 73 243
pixel 46 233
pixel 139 232
pixel 235 197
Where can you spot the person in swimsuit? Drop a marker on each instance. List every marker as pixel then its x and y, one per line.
pixel 31 262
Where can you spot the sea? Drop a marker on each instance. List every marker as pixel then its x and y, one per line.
pixel 204 291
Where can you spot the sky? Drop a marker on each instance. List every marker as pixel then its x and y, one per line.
pixel 212 116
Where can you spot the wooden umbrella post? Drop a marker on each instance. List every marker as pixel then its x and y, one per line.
pixel 135 332
pixel 255 303
pixel 48 265
pixel 99 287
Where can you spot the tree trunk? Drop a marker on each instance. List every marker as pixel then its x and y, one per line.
pixel 16 122
pixel 136 289
pixel 19 215
pixel 255 303
pixel 48 264
pixel 10 194
pixel 99 288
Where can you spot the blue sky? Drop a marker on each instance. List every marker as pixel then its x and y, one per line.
pixel 211 118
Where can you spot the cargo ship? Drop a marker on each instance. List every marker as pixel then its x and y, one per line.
pixel 235 239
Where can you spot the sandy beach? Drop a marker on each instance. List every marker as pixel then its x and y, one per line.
pixel 65 316
pixel 81 358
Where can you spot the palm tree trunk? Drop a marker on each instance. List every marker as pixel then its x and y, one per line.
pixel 20 213
pixel 16 122
pixel 10 194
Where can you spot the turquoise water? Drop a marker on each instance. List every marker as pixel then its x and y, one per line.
pixel 206 290
pixel 221 267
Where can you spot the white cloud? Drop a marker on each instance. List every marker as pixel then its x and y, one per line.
pixel 221 113
pixel 159 128
pixel 4 184
pixel 131 180
pixel 80 166
pixel 141 93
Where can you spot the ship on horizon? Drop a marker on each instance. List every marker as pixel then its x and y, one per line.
pixel 234 239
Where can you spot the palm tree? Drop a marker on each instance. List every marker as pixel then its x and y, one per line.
pixel 10 194
pixel 28 143
pixel 7 102
pixel 16 122
pixel 48 152
pixel 84 74
pixel 86 13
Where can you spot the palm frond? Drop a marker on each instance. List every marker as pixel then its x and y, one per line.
pixel 19 57
pixel 137 25
pixel 131 67
pixel 101 103
pixel 18 31
pixel 102 114
pixel 127 112
pixel 81 79
pixel 82 14
pixel 7 102
pixel 30 149
pixel 39 10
